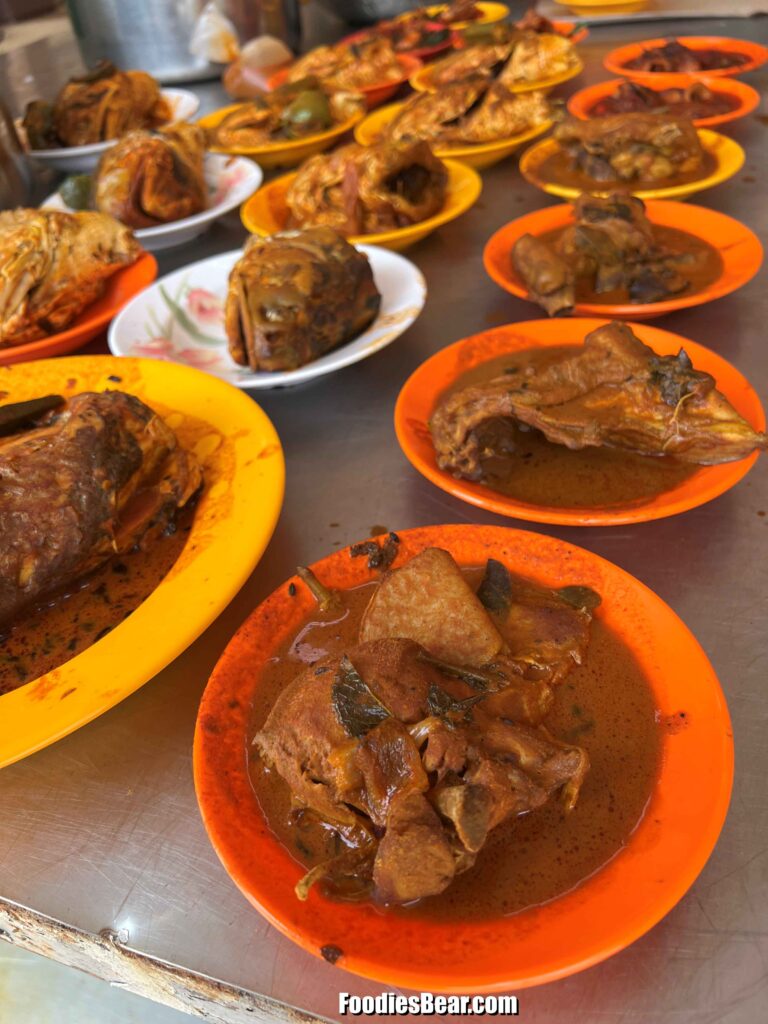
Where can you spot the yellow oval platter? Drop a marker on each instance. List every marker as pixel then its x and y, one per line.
pixel 234 519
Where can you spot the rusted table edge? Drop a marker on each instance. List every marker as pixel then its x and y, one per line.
pixel 104 956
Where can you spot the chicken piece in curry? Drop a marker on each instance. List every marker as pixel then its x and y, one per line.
pixel 631 148
pixel 417 740
pixel 612 252
pixel 613 391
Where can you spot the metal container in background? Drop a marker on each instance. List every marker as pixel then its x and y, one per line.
pixel 154 35
pixel 14 172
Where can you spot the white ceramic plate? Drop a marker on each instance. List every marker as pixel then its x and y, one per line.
pixel 81 159
pixel 180 318
pixel 230 179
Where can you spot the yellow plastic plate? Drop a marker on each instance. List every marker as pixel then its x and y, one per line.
pixel 728 155
pixel 266 211
pixel 478 155
pixel 488 12
pixel 423 79
pixel 237 511
pixel 286 152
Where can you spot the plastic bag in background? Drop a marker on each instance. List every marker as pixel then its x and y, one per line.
pixel 214 37
pixel 259 60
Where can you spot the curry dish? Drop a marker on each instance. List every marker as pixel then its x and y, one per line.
pixel 626 150
pixel 612 393
pixel 468 112
pixel 612 254
pixel 352 65
pixel 365 189
pixel 514 58
pixel 92 478
pixel 695 101
pixel 295 110
pixel 102 104
pixel 52 266
pixel 445 726
pixel 674 56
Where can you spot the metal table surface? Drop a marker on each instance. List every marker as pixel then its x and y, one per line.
pixel 100 832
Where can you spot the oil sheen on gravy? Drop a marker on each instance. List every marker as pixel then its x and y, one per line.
pixel 604 705
pixel 539 472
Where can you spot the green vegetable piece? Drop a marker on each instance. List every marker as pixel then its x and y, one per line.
pixel 309 112
pixel 495 591
pixel 354 703
pixel 581 597
pixel 76 191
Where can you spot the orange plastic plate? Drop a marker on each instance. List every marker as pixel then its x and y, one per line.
pixel 121 287
pixel 423 388
pixel 617 60
pixel 739 248
pixel 582 102
pixel 605 913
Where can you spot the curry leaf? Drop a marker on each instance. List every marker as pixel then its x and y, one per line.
pixel 356 706
pixel 495 591
pixel 442 703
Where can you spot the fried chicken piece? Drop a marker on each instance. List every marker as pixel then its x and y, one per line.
pixel 151 178
pixel 481 59
pixel 435 116
pixel 53 265
pixel 536 56
pixel 632 147
pixel 102 475
pixel 613 391
pixel 503 114
pixel 354 65
pixel 364 189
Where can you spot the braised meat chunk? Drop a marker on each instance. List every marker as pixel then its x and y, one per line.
pixel 631 147
pixel 693 101
pixel 296 295
pixel 613 391
pixel 365 189
pixel 101 104
pixel 677 57
pixel 99 477
pixel 610 247
pixel 53 265
pixel 354 744
pixel 152 178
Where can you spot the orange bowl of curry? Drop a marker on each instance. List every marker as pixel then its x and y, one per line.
pixel 716 254
pixel 551 892
pixel 540 481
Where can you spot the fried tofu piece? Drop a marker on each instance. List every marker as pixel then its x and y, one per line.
pixel 429 600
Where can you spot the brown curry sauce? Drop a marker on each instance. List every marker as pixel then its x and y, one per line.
pixel 559 169
pixel 605 705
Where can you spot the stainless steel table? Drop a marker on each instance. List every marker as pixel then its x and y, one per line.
pixel 103 859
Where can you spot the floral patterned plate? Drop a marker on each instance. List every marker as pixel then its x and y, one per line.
pixel 180 318
pixel 230 179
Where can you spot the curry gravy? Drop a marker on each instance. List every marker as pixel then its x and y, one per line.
pixel 53 633
pixel 605 706
pixel 539 472
pixel 702 265
pixel 559 168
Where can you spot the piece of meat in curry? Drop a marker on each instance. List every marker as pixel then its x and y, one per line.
pixel 424 736
pixel 614 391
pixel 95 479
pixel 610 246
pixel 631 147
